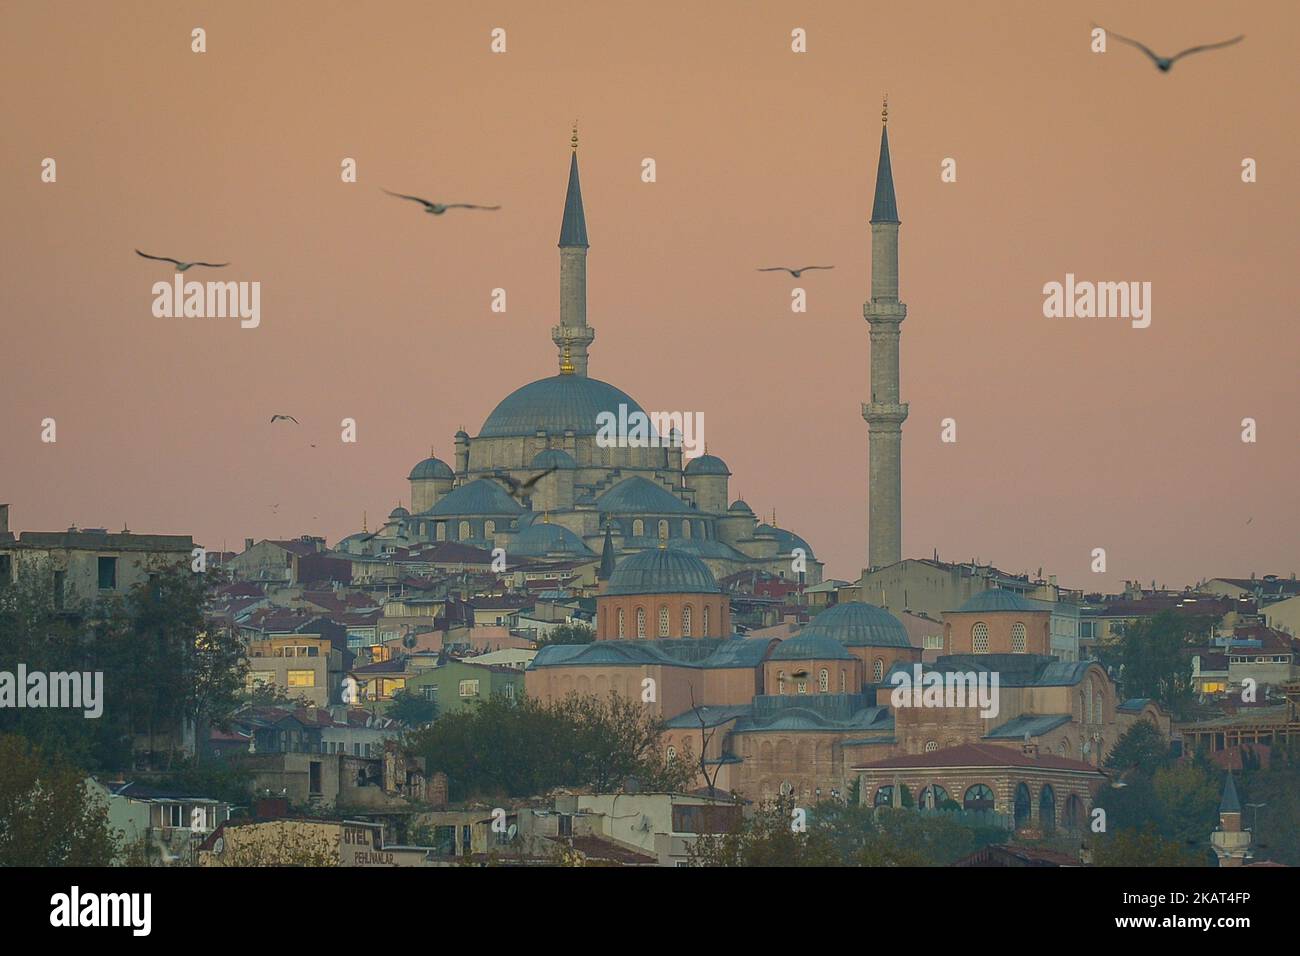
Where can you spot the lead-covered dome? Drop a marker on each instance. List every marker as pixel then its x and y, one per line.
pixel 662 571
pixel 555 405
pixel 431 468
pixel 858 624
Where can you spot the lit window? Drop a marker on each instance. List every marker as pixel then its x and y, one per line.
pixel 803 687
pixel 672 753
pixel 302 678
pixel 980 638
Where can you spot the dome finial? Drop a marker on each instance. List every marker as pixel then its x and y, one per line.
pixel 663 537
pixel 364 529
pixel 546 516
pixel 574 140
pixel 566 365
pixel 884 110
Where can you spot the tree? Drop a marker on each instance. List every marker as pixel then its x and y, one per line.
pixel 1142 750
pixel 1154 659
pixel 412 708
pixel 771 837
pixel 1134 848
pixel 569 634
pixel 47 817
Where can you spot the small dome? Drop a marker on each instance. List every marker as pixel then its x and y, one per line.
pixel 399 512
pixel 707 465
pixel 786 541
pixel 810 647
pixel 638 495
pixel 858 624
pixel 431 468
pixel 740 507
pixel 541 538
pixel 997 599
pixel 553 458
pixel 462 435
pixel 662 571
pixel 479 497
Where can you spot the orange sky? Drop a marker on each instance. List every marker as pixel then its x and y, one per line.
pixel 1072 434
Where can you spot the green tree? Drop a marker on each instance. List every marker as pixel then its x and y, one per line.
pixel 1134 848
pixel 46 815
pixel 770 837
pixel 1154 658
pixel 412 708
pixel 569 634
pixel 1142 750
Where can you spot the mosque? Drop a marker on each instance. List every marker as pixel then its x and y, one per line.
pixel 591 494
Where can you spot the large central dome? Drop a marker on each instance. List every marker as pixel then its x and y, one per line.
pixel 555 405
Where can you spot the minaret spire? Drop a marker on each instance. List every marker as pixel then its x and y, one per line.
pixel 884 414
pixel 573 331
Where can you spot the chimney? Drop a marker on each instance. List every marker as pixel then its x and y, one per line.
pixel 4 521
pixel 248 543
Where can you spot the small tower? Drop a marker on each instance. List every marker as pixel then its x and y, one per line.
pixel 884 414
pixel 462 452
pixel 573 334
pixel 1231 844
pixel 606 562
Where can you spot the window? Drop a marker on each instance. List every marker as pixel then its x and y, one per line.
pixel 638 528
pixel 843 682
pixel 802 687
pixel 705 631
pixel 663 620
pixel 780 682
pixel 469 688
pixel 878 670
pixel 173 815
pixel 663 528
pixel 980 638
pixel 686 621
pixel 620 623
pixel 672 753
pixel 510 691
pixel 464 531
pixel 489 528
pixel 59 578
pixel 686 530
pixel 640 622
pixel 978 797
pixel 824 680
pixel 1017 638
pixel 302 678
pixel 931 746
pixel 934 642
pixel 107 574
pixel 430 691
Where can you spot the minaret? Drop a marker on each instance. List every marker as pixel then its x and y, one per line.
pixel 884 413
pixel 1231 844
pixel 573 330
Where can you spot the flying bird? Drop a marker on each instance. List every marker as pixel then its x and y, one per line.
pixel 517 486
pixel 438 208
pixel 182 266
pixel 283 418
pixel 794 272
pixel 1164 63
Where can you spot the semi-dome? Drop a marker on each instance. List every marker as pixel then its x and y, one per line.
pixel 637 495
pixel 399 512
pixel 811 647
pixel 740 507
pixel 478 497
pixel 707 465
pixel 555 405
pixel 997 599
pixel 858 624
pixel 431 468
pixel 542 538
pixel 786 541
pixel 553 458
pixel 662 571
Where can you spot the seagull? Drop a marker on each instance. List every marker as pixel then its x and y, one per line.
pixel 794 272
pixel 1164 63
pixel 518 486
pixel 182 266
pixel 438 208
pixel 282 418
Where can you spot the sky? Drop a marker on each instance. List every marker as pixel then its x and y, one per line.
pixel 1072 434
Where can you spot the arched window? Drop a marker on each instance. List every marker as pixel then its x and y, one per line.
pixel 1087 700
pixel 884 796
pixel 1022 805
pixel 686 621
pixel 978 797
pixel 780 682
pixel 621 624
pixel 638 528
pixel 663 620
pixel 933 797
pixel 878 670
pixel 1047 808
pixel 980 638
pixel 802 686
pixel 1098 700
pixel 489 528
pixel 440 530
pixel 824 680
pixel 704 632
pixel 1017 638
pixel 464 531
pixel 640 622
pixel 1072 817
pixel 931 746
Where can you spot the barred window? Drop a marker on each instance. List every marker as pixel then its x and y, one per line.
pixel 1017 638
pixel 980 638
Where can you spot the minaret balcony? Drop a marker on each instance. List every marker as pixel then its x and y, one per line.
pixel 572 334
pixel 884 310
pixel 884 413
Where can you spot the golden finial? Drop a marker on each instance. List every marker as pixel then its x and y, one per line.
pixel 884 110
pixel 774 518
pixel 574 140
pixel 663 537
pixel 546 516
pixel 364 529
pixel 566 366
